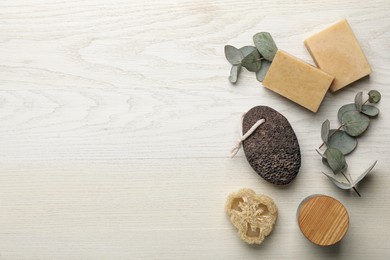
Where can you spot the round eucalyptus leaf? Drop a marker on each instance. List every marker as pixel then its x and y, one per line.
pixel 246 50
pixel 252 61
pixel 354 122
pixel 359 101
pixel 374 96
pixel 335 159
pixel 234 72
pixel 260 75
pixel 325 162
pixel 370 110
pixel 361 177
pixel 233 55
pixel 265 44
pixel 345 108
pixel 341 141
pixel 325 131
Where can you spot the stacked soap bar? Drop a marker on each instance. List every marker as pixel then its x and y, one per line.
pixel 340 61
pixel 336 51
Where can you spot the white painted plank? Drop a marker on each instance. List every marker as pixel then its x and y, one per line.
pixel 117 118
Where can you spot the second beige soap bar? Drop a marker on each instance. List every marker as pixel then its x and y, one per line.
pixel 297 80
pixel 336 51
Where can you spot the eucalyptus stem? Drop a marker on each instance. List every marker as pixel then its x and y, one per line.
pixel 355 118
pixel 351 183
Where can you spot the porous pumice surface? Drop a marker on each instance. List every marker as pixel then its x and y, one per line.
pixel 272 149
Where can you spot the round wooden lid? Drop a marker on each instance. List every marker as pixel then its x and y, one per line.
pixel 323 220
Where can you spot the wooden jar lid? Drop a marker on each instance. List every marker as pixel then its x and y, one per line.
pixel 322 219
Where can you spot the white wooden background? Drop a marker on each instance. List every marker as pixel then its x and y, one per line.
pixel 117 118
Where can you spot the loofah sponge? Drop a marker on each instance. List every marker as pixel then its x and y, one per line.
pixel 252 214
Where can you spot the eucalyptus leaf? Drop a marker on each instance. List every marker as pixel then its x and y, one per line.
pixel 354 123
pixel 265 44
pixel 340 140
pixel 260 75
pixel 374 96
pixel 340 184
pixel 325 130
pixel 359 101
pixel 365 173
pixel 370 110
pixel 246 50
pixel 325 162
pixel 345 108
pixel 252 61
pixel 234 72
pixel 354 119
pixel 233 55
pixel 336 159
pixel 347 186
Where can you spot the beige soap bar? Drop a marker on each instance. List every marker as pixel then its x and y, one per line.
pixel 336 51
pixel 297 80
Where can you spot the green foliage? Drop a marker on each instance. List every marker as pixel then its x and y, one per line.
pixel 335 159
pixel 233 55
pixel 359 101
pixel 354 122
pixel 246 50
pixel 255 59
pixel 374 96
pixel 345 108
pixel 234 73
pixel 354 119
pixel 252 61
pixel 350 184
pixel 369 110
pixel 265 44
pixel 325 131
pixel 340 140
pixel 260 75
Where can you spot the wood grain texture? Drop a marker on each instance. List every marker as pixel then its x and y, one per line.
pixel 117 118
pixel 323 220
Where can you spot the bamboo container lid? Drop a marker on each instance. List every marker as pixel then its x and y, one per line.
pixel 323 220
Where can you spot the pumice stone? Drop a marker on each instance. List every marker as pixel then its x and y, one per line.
pixel 254 215
pixel 272 149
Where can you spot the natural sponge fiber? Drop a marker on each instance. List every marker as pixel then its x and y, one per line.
pixel 254 215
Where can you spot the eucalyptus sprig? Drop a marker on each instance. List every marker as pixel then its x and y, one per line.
pixel 255 59
pixel 354 119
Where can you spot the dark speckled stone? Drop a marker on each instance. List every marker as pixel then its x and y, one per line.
pixel 273 149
